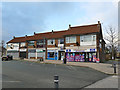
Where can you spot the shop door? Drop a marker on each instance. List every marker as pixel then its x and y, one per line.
pixel 87 57
pixel 62 55
pixel 23 54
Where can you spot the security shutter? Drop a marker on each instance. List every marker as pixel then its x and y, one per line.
pixel 31 53
pixel 14 54
pixel 41 54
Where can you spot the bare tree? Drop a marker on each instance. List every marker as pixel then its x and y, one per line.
pixel 112 39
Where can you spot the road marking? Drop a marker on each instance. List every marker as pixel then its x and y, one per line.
pixel 114 76
pixel 71 67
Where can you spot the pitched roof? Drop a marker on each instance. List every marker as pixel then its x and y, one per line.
pixel 86 29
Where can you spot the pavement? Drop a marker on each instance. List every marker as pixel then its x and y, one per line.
pixel 108 82
pixel 102 67
pixel 24 74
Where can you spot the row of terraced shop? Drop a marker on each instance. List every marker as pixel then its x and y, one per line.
pixel 77 43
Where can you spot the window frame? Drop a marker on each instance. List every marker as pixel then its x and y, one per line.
pixel 31 44
pixel 70 39
pixel 51 40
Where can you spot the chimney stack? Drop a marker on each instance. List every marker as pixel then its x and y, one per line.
pixel 98 22
pixel 52 31
pixel 25 35
pixel 14 37
pixel 34 33
pixel 69 26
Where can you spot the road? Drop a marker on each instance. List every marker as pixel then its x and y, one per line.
pixel 23 74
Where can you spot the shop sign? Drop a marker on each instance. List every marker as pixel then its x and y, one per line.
pixel 32 50
pixel 39 50
pixel 51 50
pixel 68 50
pixel 12 50
pixel 92 50
pixel 79 50
pixel 23 49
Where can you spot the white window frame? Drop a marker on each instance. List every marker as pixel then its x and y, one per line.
pixel 49 42
pixel 70 39
pixel 59 41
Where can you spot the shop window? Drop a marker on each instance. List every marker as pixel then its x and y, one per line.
pixel 61 41
pixel 31 43
pixel 40 43
pixel 71 39
pixel 51 54
pixel 51 42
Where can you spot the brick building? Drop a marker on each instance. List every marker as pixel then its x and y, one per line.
pixel 78 43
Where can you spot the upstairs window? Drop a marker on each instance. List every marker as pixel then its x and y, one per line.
pixel 40 43
pixel 31 43
pixel 51 42
pixel 71 39
pixel 86 38
pixel 61 41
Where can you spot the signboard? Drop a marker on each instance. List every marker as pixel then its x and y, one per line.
pixel 92 50
pixel 39 50
pixel 31 50
pixel 68 50
pixel 51 50
pixel 23 50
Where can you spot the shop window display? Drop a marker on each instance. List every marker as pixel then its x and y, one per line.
pixel 51 54
pixel 70 57
pixel 92 57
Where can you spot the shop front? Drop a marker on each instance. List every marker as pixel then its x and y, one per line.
pixel 23 53
pixel 31 53
pixel 88 55
pixel 52 54
pixel 13 50
pixel 40 53
pixel 13 53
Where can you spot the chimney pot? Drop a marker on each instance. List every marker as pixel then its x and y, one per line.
pixel 34 33
pixel 25 35
pixel 69 26
pixel 52 31
pixel 98 22
pixel 13 36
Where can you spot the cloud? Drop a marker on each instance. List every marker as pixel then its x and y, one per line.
pixel 106 12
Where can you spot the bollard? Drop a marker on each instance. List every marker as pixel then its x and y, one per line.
pixel 114 65
pixel 56 80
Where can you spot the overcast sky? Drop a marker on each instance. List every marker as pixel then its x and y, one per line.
pixel 25 18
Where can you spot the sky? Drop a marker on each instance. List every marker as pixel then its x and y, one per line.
pixel 25 18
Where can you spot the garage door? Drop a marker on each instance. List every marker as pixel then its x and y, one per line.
pixel 41 54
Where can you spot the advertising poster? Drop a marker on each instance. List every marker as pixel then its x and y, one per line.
pixel 77 58
pixel 94 58
pixel 71 57
pixel 82 57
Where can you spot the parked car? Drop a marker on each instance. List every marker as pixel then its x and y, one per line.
pixel 6 58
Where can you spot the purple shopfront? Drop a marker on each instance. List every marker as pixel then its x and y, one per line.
pixel 80 56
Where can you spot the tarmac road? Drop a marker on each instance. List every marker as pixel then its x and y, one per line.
pixel 23 74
